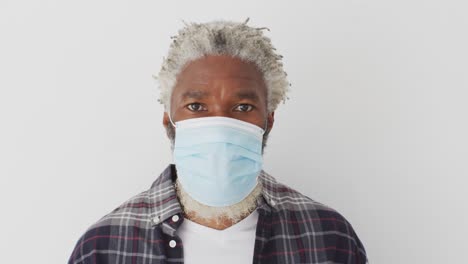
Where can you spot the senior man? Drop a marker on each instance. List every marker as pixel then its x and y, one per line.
pixel 220 85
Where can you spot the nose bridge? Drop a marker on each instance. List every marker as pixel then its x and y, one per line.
pixel 220 100
pixel 220 108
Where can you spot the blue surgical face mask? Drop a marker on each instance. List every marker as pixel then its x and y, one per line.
pixel 218 159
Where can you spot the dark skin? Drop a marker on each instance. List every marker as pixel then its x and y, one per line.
pixel 219 85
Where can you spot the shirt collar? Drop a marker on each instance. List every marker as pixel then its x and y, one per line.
pixel 165 204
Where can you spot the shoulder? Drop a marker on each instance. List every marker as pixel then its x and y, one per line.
pixel 290 203
pixel 117 226
pixel 135 211
pixel 303 217
pixel 285 198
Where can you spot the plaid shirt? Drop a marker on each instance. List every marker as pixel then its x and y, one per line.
pixel 291 228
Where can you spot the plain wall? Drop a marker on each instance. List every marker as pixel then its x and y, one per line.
pixel 375 126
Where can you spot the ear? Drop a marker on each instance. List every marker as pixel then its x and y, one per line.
pixel 165 120
pixel 271 121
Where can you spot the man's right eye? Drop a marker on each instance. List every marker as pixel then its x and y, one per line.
pixel 195 107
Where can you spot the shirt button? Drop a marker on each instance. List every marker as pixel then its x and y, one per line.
pixel 272 202
pixel 156 220
pixel 172 243
pixel 175 218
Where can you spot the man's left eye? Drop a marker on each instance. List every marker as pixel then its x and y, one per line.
pixel 244 107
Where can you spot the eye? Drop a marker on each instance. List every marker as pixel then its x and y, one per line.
pixel 244 107
pixel 195 107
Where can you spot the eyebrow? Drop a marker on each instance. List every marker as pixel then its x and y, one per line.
pixel 195 94
pixel 248 95
pixel 199 94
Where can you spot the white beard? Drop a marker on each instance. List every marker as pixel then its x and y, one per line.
pixel 234 213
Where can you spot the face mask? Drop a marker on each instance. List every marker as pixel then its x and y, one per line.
pixel 218 159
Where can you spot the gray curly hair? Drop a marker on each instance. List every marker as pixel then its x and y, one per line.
pixel 221 37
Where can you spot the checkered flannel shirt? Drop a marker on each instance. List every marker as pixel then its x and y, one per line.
pixel 291 228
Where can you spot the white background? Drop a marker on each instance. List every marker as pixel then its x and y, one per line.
pixel 375 127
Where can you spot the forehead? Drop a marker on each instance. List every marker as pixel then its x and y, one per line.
pixel 220 70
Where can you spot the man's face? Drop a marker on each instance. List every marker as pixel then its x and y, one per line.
pixel 220 86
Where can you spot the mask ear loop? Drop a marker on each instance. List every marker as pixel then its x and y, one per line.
pixel 170 119
pixel 266 126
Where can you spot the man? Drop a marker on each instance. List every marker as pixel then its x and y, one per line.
pixel 220 85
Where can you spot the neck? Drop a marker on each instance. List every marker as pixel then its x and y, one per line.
pixel 219 223
pixel 217 217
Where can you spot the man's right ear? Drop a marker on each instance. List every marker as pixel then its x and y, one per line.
pixel 166 121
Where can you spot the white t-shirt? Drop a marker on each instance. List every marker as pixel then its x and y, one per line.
pixel 234 244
